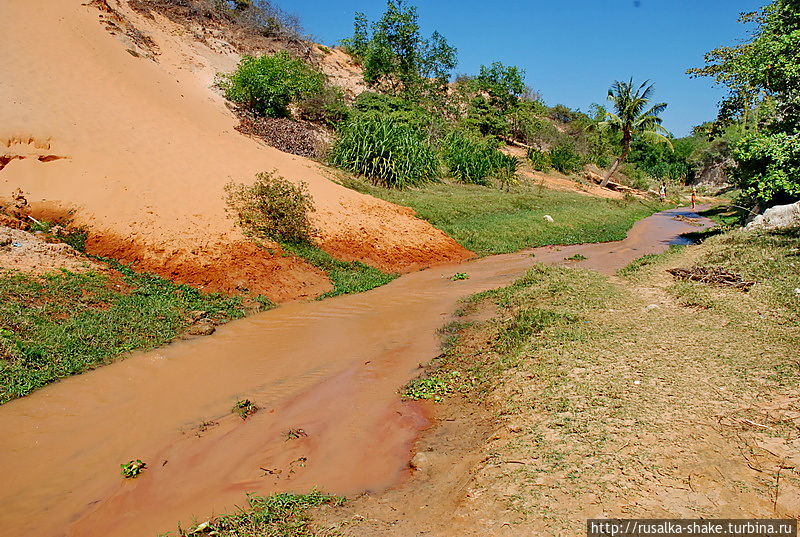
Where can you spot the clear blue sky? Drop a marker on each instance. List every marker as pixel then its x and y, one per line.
pixel 571 50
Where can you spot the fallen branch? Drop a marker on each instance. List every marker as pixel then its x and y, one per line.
pixel 712 275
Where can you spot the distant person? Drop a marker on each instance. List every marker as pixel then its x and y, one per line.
pixel 662 193
pixel 694 198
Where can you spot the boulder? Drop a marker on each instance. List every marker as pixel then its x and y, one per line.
pixel 779 216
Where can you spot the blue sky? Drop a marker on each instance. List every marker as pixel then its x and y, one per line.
pixel 572 50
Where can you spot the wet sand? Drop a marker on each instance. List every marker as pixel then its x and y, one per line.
pixel 331 368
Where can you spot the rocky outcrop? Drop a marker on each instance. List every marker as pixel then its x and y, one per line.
pixel 777 217
pixel 714 177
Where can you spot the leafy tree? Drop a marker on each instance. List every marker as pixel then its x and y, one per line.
pixel 394 54
pixel 633 116
pixel 661 161
pixel 763 79
pixel 503 84
pixel 492 98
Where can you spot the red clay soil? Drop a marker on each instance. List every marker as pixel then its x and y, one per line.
pixel 236 268
pixel 396 258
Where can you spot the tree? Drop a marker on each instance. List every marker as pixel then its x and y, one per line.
pixel 394 54
pixel 491 98
pixel 763 80
pixel 633 116
pixel 503 84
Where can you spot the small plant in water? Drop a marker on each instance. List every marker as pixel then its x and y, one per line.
pixel 132 469
pixel 436 387
pixel 244 407
pixel 459 276
pixel 576 257
pixel 294 434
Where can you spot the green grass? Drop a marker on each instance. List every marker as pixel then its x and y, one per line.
pixel 62 324
pixel 346 277
pixel 278 515
pixel 490 221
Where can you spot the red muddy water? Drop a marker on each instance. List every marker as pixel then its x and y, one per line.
pixel 331 368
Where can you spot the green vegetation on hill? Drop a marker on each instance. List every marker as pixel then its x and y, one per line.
pixel 412 108
pixel 62 324
pixel 414 126
pixel 490 221
pixel 762 75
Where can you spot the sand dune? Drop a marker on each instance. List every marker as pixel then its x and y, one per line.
pixel 141 148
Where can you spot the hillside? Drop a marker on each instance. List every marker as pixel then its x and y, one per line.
pixel 109 118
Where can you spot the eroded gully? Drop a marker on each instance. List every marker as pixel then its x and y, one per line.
pixel 331 368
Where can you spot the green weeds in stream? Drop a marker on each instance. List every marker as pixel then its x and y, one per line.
pixel 278 515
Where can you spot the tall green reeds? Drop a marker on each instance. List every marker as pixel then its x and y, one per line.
pixel 386 151
pixel 472 159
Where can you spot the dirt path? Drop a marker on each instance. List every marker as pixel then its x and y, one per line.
pixel 330 368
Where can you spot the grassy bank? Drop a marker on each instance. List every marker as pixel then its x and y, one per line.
pixel 61 324
pixel 491 221
pixel 639 395
pixel 346 277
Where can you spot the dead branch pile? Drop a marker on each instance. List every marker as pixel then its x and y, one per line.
pixel 285 134
pixel 712 275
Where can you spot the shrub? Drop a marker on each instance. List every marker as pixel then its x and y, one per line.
pixel 385 150
pixel 540 160
pixel 633 176
pixel 266 85
pixel 326 107
pixel 565 159
pixel 471 159
pixel 272 208
pixel 395 108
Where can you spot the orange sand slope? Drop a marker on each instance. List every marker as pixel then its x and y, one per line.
pixel 141 150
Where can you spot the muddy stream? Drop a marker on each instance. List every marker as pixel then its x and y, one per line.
pixel 331 368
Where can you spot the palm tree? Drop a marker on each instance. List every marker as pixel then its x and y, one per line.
pixel 632 117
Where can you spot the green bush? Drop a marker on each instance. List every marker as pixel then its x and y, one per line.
pixel 565 159
pixel 272 208
pixel 633 176
pixel 769 167
pixel 266 85
pixel 540 160
pixel 385 150
pixel 326 107
pixel 395 108
pixel 471 159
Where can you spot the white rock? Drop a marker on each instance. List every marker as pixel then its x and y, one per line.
pixel 421 461
pixel 548 218
pixel 779 216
